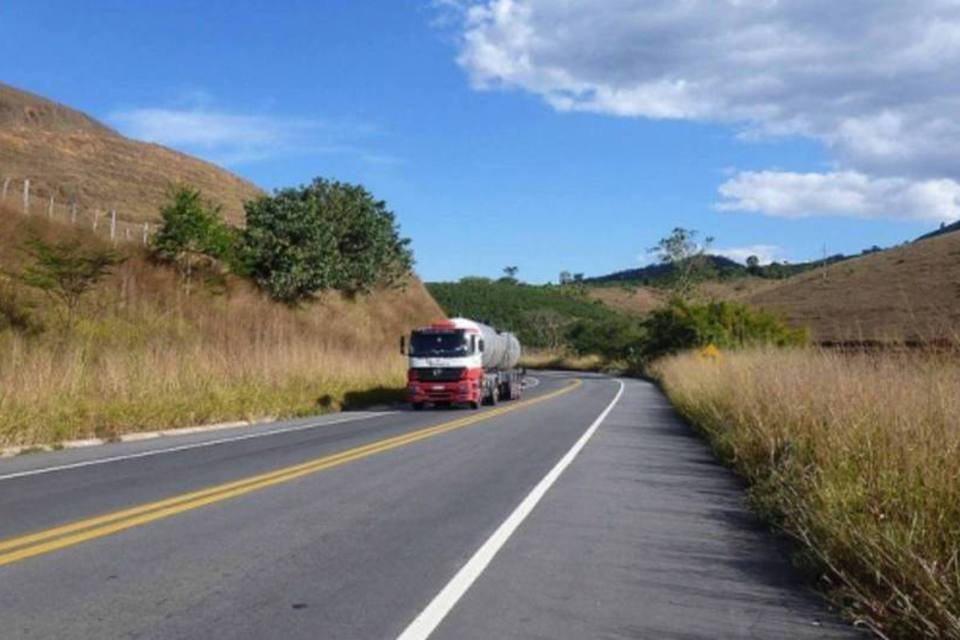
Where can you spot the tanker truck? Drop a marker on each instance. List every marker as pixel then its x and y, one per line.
pixel 461 361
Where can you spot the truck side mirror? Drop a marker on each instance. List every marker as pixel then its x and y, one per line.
pixel 403 345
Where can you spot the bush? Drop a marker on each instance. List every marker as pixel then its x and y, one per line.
pixel 616 338
pixel 66 271
pixel 321 236
pixel 682 325
pixel 190 228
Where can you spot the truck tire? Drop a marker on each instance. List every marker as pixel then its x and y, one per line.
pixel 474 405
pixel 417 406
pixel 494 396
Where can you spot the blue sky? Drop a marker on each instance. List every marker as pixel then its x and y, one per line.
pixel 500 138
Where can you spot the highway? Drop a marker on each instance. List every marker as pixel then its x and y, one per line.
pixel 586 510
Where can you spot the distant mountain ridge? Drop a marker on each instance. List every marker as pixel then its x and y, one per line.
pixel 718 267
pixel 73 157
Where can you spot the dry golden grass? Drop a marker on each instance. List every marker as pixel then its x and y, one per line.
pixel 910 293
pixel 635 300
pixel 855 456
pixel 69 155
pixel 149 352
pixel 559 359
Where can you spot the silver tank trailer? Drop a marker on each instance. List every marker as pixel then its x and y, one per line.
pixel 501 349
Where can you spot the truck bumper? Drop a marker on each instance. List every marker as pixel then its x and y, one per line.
pixel 447 392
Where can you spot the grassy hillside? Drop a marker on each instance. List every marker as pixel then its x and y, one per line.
pixel 539 315
pixel 149 352
pixel 73 157
pixel 909 293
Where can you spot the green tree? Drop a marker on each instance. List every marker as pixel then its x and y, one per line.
pixel 613 338
pixel 753 265
pixel 686 257
pixel 510 273
pixel 326 235
pixel 192 230
pixel 66 271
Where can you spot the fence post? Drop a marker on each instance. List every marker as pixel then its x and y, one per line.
pixel 146 232
pixel 6 185
pixel 26 196
pixel 96 219
pixel 73 212
pixel 50 208
pixel 127 233
pixel 113 224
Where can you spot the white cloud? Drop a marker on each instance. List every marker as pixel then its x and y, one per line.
pixel 766 253
pixel 878 83
pixel 800 195
pixel 233 138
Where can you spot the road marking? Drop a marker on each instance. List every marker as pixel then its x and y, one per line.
pixel 184 447
pixel 41 542
pixel 528 379
pixel 428 620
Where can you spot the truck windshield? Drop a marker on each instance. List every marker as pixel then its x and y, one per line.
pixel 442 344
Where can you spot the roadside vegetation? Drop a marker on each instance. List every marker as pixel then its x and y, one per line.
pixel 541 316
pixel 97 340
pixel 855 454
pixel 856 457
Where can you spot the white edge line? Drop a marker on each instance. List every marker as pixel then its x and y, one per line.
pixel 428 620
pixel 183 447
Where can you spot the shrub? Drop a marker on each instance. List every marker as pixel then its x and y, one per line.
pixel 616 338
pixel 190 228
pixel 682 325
pixel 66 271
pixel 324 235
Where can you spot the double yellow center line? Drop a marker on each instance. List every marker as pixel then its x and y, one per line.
pixel 41 542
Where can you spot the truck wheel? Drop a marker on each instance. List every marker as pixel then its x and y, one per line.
pixel 474 405
pixel 417 406
pixel 495 395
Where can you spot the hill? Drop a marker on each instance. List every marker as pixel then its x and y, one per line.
pixel 71 156
pixel 908 293
pixel 718 269
pixel 944 228
pixel 149 350
pixel 539 315
pixel 654 274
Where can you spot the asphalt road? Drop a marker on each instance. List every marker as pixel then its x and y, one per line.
pixel 586 511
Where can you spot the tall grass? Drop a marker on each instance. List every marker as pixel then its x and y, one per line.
pixel 562 359
pixel 150 351
pixel 855 456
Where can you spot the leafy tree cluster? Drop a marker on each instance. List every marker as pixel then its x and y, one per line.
pixel 296 243
pixel 616 338
pixel 682 325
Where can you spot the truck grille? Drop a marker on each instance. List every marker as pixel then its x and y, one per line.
pixel 439 374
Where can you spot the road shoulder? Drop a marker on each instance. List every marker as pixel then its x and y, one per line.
pixel 644 536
